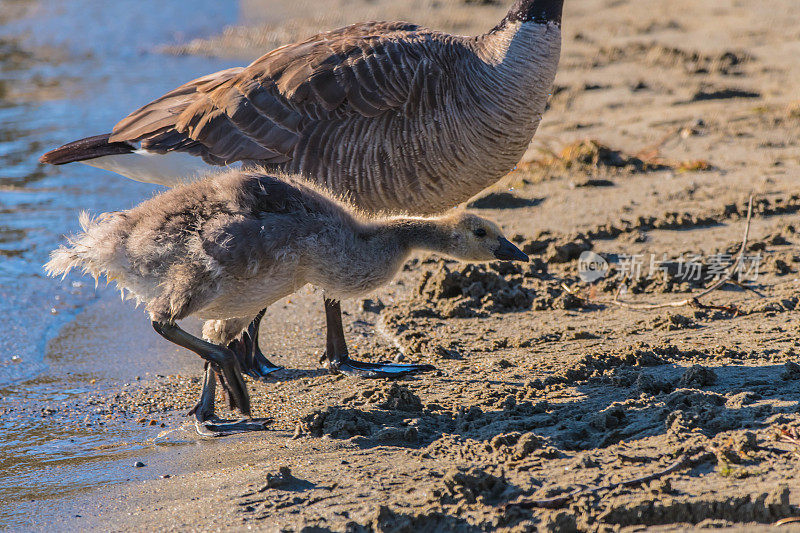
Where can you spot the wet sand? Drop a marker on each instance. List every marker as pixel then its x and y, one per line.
pixel 544 385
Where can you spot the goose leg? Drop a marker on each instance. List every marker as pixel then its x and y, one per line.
pixel 337 360
pixel 220 361
pixel 206 422
pixel 251 359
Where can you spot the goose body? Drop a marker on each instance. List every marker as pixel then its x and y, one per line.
pixel 224 248
pixel 392 115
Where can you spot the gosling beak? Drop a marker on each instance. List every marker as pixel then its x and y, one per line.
pixel 508 252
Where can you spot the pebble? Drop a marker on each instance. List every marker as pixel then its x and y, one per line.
pixel 138 464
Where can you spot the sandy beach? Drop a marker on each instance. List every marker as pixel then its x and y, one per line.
pixel 551 396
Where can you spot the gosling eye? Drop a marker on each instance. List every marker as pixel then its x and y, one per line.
pixel 480 232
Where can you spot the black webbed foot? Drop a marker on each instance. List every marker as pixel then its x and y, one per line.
pixel 336 358
pixel 207 423
pixel 217 427
pixel 251 360
pixel 350 367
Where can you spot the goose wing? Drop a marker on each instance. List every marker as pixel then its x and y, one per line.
pixel 259 112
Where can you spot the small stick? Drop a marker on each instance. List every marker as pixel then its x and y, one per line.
pixel 558 501
pixel 745 287
pixel 791 436
pixel 694 300
pixel 650 152
pixel 571 291
pixel 549 503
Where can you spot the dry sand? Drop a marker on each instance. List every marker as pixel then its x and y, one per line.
pixel 543 385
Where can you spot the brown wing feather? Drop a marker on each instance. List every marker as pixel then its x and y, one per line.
pixel 259 112
pixel 161 112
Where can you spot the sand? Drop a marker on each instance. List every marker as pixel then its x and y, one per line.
pixel 664 118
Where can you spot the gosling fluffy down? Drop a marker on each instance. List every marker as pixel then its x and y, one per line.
pixel 225 248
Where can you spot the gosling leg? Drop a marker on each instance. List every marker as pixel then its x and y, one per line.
pixel 337 360
pixel 221 361
pixel 251 359
pixel 206 422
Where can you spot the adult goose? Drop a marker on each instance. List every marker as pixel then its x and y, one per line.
pixel 392 115
pixel 224 248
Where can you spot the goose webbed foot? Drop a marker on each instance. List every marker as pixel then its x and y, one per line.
pixel 351 367
pixel 221 428
pixel 337 360
pixel 207 423
pixel 248 354
pixel 262 368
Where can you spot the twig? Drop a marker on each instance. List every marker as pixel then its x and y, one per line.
pixel 571 291
pixel 650 152
pixel 550 503
pixel 747 288
pixel 790 436
pixel 558 501
pixel 694 300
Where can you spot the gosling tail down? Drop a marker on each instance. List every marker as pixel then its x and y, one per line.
pixel 92 250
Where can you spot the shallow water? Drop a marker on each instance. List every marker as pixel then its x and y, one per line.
pixel 69 69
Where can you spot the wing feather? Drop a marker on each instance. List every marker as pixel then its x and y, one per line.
pixel 260 112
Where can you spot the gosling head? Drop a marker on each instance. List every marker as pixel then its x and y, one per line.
pixel 473 238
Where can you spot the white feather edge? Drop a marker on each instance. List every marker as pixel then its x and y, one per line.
pixel 74 254
pixel 170 169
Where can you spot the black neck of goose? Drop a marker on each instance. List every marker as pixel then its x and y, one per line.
pixel 538 11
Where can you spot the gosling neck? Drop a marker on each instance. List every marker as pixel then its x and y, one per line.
pixel 371 255
pixel 412 233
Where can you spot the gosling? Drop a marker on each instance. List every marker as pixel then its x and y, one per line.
pixel 224 249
